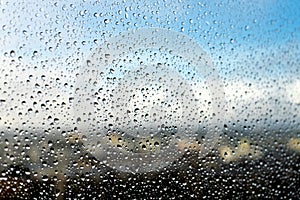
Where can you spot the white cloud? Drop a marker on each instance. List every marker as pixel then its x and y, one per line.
pixel 293 92
pixel 21 97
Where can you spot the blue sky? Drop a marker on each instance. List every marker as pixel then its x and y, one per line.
pixel 265 21
pixel 73 28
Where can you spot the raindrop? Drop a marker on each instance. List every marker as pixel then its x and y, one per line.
pixel 106 21
pixel 12 53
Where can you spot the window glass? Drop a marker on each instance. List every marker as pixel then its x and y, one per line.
pixel 149 99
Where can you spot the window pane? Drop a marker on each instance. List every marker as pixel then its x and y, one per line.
pixel 149 99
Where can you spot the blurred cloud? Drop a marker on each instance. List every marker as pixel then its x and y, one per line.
pixel 43 97
pixel 293 92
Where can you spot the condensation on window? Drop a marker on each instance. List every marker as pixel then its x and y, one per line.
pixel 149 99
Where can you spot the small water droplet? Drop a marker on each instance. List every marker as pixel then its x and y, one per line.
pixel 106 21
pixel 12 53
pixel 45 178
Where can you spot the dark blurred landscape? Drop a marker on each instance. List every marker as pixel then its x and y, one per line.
pixel 63 170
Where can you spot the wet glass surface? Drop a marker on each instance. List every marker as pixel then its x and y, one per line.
pixel 149 100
